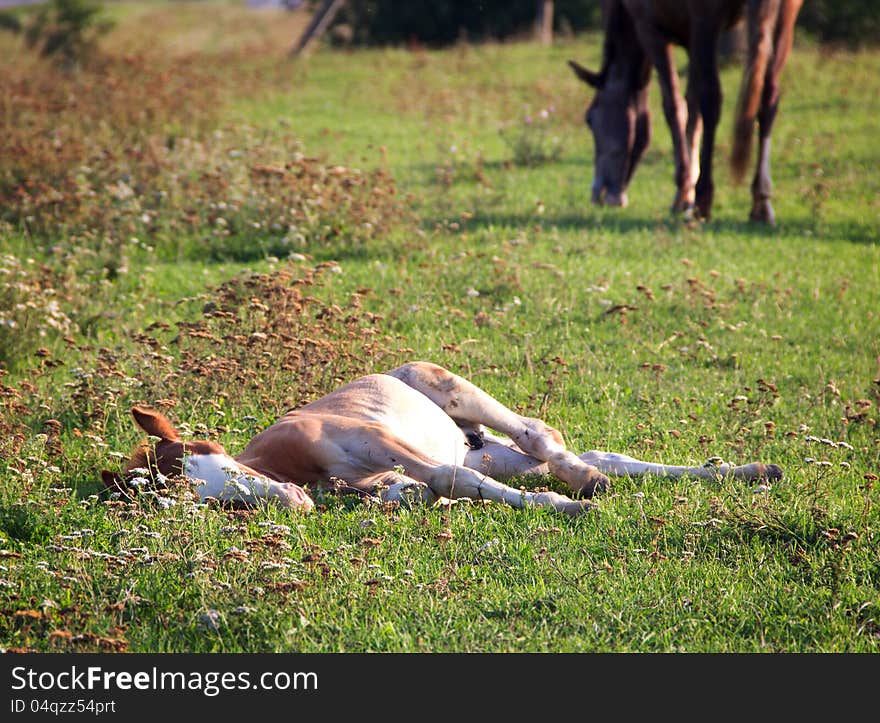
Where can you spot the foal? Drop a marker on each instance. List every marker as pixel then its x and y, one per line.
pixel 416 432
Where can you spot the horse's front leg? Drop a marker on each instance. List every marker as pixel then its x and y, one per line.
pixel 675 111
pixel 455 482
pixel 704 89
pixel 694 138
pixel 369 455
pixel 394 486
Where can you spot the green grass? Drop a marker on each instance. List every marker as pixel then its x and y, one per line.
pixel 744 342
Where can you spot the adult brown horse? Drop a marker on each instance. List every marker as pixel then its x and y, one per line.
pixel 640 34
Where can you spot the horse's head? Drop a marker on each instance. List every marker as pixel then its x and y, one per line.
pixel 620 121
pixel 215 473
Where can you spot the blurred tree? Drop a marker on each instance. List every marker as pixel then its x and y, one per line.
pixel 9 21
pixel 441 22
pixel 67 30
pixel 853 22
pixel 544 22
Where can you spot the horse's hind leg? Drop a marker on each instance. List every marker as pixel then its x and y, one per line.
pixel 456 482
pixel 467 403
pixel 504 462
pixel 622 465
pixel 675 111
pixel 762 185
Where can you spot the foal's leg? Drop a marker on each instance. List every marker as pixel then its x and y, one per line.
pixel 427 482
pixel 504 461
pixel 621 465
pixel 465 402
pixel 393 486
pixel 362 453
pixel 452 481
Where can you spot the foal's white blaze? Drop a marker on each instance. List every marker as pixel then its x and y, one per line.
pixel 223 479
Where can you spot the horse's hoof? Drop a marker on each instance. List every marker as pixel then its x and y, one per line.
pixel 704 211
pixel 762 212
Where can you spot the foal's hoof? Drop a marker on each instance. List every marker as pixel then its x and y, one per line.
pixel 560 503
pixel 576 508
pixel 294 497
pixel 772 472
pixel 593 482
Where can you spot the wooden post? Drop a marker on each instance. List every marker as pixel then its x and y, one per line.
pixel 320 22
pixel 544 22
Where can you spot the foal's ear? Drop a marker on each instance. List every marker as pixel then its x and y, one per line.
pixel 592 79
pixel 155 424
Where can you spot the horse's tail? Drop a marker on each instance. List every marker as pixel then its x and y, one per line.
pixel 762 24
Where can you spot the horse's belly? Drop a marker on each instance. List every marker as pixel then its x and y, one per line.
pixel 437 437
pixel 407 414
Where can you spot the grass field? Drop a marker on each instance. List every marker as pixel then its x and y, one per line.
pixel 202 224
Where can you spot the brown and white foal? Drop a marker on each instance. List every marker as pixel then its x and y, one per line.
pixel 416 432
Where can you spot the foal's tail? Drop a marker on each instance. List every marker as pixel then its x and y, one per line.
pixel 763 17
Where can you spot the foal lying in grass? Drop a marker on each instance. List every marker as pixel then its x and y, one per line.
pixel 416 432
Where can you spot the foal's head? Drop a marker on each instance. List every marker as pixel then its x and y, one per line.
pixel 167 456
pixel 213 471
